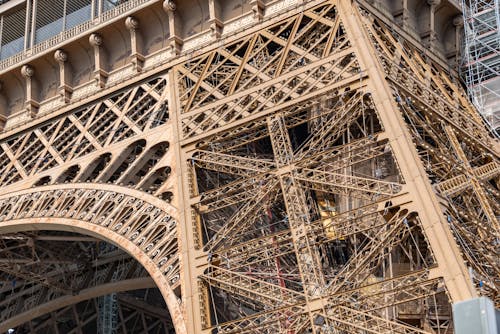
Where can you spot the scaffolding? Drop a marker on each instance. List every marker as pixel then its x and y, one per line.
pixel 107 320
pixel 481 69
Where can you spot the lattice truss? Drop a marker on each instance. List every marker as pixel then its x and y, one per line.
pixel 139 312
pixel 108 164
pixel 38 268
pixel 101 125
pixel 457 152
pixel 299 196
pixel 298 202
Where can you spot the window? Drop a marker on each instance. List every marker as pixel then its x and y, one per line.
pixel 13 25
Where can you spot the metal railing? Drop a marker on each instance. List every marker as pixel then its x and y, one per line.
pixel 77 30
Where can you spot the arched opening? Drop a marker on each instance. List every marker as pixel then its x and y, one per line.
pixel 167 196
pixel 138 311
pixel 42 181
pixel 69 174
pixel 95 167
pixel 124 161
pixel 54 227
pixel 89 286
pixel 142 168
pixel 156 179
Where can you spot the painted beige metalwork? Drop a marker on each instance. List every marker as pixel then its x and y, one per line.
pixel 315 173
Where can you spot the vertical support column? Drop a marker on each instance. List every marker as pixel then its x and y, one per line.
pixel 93 7
pixel 100 73
pixel 458 23
pixel 451 265
pixel 258 8
pixel 31 103
pixel 3 109
pixel 187 244
pixel 65 87
pixel 433 4
pixel 136 56
pixel 32 36
pixel 99 8
pixel 216 24
pixel 27 25
pixel 308 261
pixel 402 15
pixel 3 120
pixel 174 25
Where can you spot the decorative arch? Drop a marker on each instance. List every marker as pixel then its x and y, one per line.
pixel 141 224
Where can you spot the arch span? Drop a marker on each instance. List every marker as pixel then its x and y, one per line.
pixel 58 303
pixel 138 223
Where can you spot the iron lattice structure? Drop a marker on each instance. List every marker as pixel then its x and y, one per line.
pixel 314 174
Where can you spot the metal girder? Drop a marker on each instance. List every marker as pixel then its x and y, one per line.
pixel 436 102
pixel 343 115
pixel 231 194
pixel 455 185
pixel 291 178
pixel 350 182
pixel 33 277
pixel 358 267
pixel 348 223
pixel 390 292
pixel 82 132
pixel 255 289
pixel 246 254
pixel 398 290
pixel 297 208
pixel 236 224
pixel 290 318
pixel 476 186
pixel 349 319
pixel 344 156
pixel 254 74
pixel 231 164
pixel 133 315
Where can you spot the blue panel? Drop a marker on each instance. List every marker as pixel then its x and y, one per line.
pixel 77 17
pixel 48 31
pixel 12 48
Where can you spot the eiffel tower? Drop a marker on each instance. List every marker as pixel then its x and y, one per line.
pixel 218 166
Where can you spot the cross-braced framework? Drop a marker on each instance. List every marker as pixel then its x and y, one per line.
pixel 322 184
pixel 101 170
pixel 140 311
pixel 316 174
